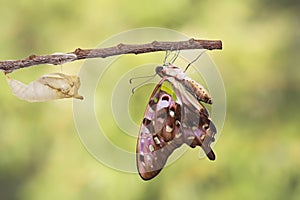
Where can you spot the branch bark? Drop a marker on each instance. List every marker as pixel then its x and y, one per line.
pixel 9 66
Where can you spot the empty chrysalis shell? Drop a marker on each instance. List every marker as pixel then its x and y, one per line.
pixel 47 87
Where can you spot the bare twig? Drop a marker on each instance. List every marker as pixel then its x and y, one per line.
pixel 9 66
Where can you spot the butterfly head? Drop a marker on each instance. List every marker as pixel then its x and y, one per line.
pixel 159 70
pixel 170 71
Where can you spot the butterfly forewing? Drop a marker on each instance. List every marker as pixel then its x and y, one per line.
pixel 158 130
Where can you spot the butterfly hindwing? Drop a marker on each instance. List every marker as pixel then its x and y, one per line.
pixel 197 128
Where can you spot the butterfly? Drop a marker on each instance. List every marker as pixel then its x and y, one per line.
pixel 174 116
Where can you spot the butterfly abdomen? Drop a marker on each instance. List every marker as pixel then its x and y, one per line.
pixel 197 90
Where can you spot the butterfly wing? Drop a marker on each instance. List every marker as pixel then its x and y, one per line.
pixel 158 131
pixel 197 127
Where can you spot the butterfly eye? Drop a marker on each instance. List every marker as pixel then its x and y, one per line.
pixel 159 69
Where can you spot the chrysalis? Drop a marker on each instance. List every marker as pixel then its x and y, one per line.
pixel 47 87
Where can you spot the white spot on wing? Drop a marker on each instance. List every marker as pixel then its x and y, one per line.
pixel 151 148
pixel 148 157
pixel 178 135
pixel 151 110
pixel 191 137
pixel 156 140
pixel 146 131
pixel 169 129
pixel 172 113
pixel 202 137
pixel 205 126
pixel 162 104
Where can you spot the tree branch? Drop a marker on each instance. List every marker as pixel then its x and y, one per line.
pixel 9 66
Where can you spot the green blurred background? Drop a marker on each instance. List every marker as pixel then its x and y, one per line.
pixel 258 152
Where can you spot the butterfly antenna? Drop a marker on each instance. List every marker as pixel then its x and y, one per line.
pixel 195 60
pixel 151 77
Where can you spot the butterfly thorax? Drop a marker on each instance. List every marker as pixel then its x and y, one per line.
pixel 191 86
